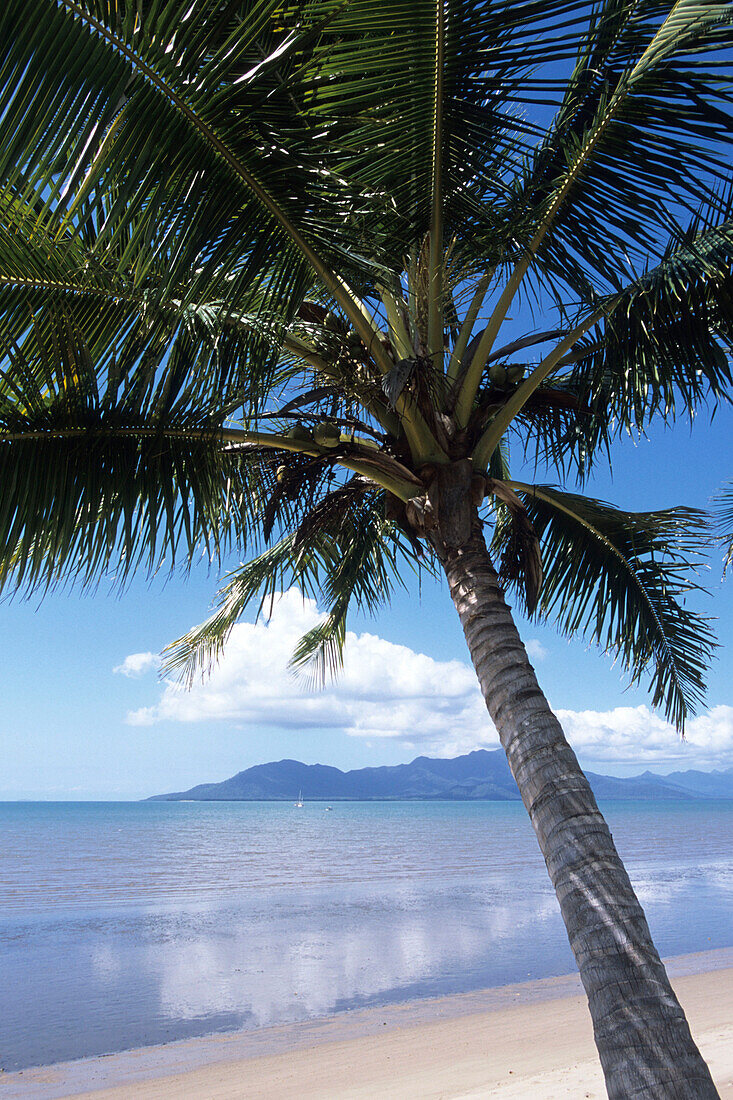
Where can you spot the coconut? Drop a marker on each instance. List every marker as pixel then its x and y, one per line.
pixel 498 374
pixel 327 434
pixel 300 433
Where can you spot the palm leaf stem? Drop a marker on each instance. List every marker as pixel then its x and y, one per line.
pixel 474 372
pixel 435 261
pixel 384 471
pixel 301 350
pixel 423 444
pixel 13 282
pixel 455 363
pixel 536 491
pixel 398 332
pixel 490 439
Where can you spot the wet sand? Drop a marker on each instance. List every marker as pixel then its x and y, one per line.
pixel 528 1040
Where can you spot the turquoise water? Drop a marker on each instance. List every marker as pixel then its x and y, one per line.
pixel 123 924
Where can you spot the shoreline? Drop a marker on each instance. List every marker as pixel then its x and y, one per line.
pixel 527 1039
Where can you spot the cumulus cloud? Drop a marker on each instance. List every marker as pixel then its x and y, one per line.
pixel 637 734
pixel 392 691
pixel 384 690
pixel 137 664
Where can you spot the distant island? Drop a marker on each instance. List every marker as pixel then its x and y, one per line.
pixel 478 776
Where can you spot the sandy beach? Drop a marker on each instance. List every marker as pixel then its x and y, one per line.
pixel 531 1040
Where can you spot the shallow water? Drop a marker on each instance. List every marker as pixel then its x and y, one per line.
pixel 123 924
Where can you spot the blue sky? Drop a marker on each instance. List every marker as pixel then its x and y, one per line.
pixel 73 727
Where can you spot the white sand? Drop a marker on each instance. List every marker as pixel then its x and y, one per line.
pixel 529 1042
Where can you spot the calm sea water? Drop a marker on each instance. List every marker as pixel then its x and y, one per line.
pixel 123 924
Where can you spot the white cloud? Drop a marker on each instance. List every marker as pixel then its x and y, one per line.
pixel 137 664
pixel 636 734
pixel 535 649
pixel 392 691
pixel 384 690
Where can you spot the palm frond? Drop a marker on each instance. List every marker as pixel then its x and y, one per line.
pixel 50 277
pixel 112 457
pixel 641 133
pixel 440 95
pixel 148 116
pixel 620 579
pixel 723 501
pixel 666 340
pixel 664 343
pixel 101 504
pixel 344 553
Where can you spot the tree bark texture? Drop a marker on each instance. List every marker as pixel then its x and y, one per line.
pixel 643 1038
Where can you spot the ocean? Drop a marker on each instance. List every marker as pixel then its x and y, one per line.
pixel 126 924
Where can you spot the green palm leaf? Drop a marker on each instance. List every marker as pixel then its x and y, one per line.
pixel 641 132
pixel 667 339
pixel 147 121
pixel 437 96
pixel 724 516
pixel 662 342
pixel 343 553
pixel 620 579
pixel 113 457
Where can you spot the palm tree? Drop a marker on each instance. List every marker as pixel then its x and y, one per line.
pixel 257 260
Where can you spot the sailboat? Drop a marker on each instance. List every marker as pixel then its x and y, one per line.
pixel 299 803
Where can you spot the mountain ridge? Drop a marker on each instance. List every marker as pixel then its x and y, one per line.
pixel 481 775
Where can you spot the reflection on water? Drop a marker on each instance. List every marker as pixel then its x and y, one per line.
pixel 128 924
pixel 364 948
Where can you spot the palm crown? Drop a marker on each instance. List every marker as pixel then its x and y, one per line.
pixel 255 261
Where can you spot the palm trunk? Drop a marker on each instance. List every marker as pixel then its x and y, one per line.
pixel 643 1038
